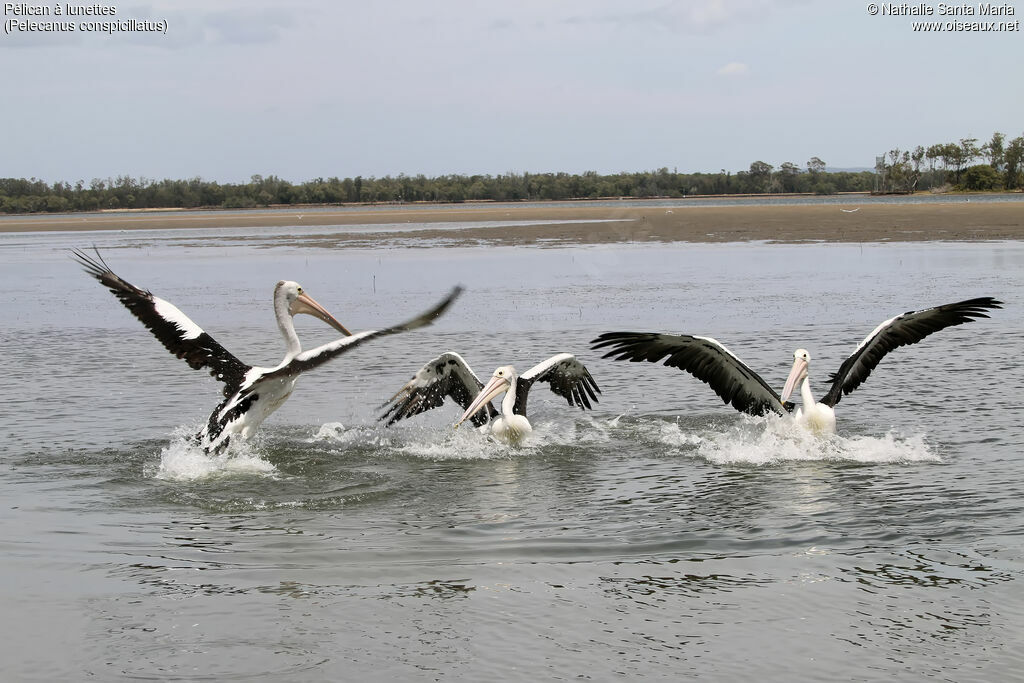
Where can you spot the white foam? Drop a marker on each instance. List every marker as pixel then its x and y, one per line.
pixel 459 444
pixel 329 431
pixel 749 441
pixel 441 442
pixel 370 437
pixel 182 460
pixel 580 430
pixel 768 441
pixel 672 435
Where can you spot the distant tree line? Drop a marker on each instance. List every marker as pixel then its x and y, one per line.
pixel 939 166
pixel 953 166
pixel 28 196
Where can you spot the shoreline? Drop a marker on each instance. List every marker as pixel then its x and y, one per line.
pixel 856 221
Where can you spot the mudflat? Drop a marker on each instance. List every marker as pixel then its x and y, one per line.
pixel 858 221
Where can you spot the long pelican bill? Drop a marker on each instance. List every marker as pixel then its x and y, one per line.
pixel 304 303
pixel 797 373
pixel 496 386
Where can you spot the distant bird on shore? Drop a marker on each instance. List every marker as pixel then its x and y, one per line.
pixel 712 363
pixel 449 376
pixel 251 394
pixel 850 210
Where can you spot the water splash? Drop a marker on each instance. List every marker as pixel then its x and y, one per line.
pixel 441 442
pixel 363 436
pixel 769 441
pixel 329 431
pixel 182 460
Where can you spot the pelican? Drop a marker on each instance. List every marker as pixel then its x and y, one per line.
pixel 730 378
pixel 449 375
pixel 251 393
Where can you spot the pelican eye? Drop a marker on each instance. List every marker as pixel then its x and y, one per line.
pixel 300 290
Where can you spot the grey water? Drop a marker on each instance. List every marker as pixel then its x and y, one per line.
pixel 659 536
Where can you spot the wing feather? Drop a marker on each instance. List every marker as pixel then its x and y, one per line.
pixel 909 328
pixel 169 325
pixel 704 358
pixel 447 376
pixel 307 360
pixel 567 377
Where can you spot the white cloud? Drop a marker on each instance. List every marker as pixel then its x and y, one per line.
pixel 733 69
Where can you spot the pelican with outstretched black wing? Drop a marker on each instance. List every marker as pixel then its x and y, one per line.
pixel 449 376
pixel 730 378
pixel 251 393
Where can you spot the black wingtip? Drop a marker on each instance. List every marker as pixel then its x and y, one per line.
pixel 456 292
pixel 429 316
pixel 623 344
pixel 985 303
pixel 972 309
pixel 438 310
pixel 445 304
pixel 96 267
pixel 607 338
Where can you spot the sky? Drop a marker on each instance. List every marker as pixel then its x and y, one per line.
pixel 308 89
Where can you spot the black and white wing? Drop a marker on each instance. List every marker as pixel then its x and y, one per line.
pixel 909 328
pixel 307 360
pixel 704 358
pixel 447 376
pixel 568 378
pixel 170 326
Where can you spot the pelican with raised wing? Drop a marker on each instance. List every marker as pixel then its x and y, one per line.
pixel 449 376
pixel 251 393
pixel 730 378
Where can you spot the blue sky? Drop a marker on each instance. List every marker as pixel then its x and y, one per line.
pixel 343 88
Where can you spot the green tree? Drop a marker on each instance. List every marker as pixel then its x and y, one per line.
pixel 760 175
pixel 935 153
pixel 963 154
pixel 916 159
pixel 1013 162
pixel 788 175
pixel 982 177
pixel 994 151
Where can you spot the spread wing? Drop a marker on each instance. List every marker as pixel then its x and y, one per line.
pixel 704 358
pixel 170 326
pixel 307 360
pixel 567 377
pixel 447 376
pixel 909 328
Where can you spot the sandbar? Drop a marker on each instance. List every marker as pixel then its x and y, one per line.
pixel 860 220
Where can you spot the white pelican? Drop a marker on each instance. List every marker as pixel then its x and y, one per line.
pixel 251 393
pixel 712 363
pixel 449 375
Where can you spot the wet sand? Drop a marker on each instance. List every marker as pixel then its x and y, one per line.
pixel 860 221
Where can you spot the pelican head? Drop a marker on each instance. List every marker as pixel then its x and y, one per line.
pixel 797 374
pixel 500 382
pixel 290 295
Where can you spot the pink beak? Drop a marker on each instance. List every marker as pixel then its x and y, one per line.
pixel 305 304
pixel 496 386
pixel 796 375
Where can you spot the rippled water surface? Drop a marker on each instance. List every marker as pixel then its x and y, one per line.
pixel 659 536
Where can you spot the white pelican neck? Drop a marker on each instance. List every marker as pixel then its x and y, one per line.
pixel 805 392
pixel 286 324
pixel 508 402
